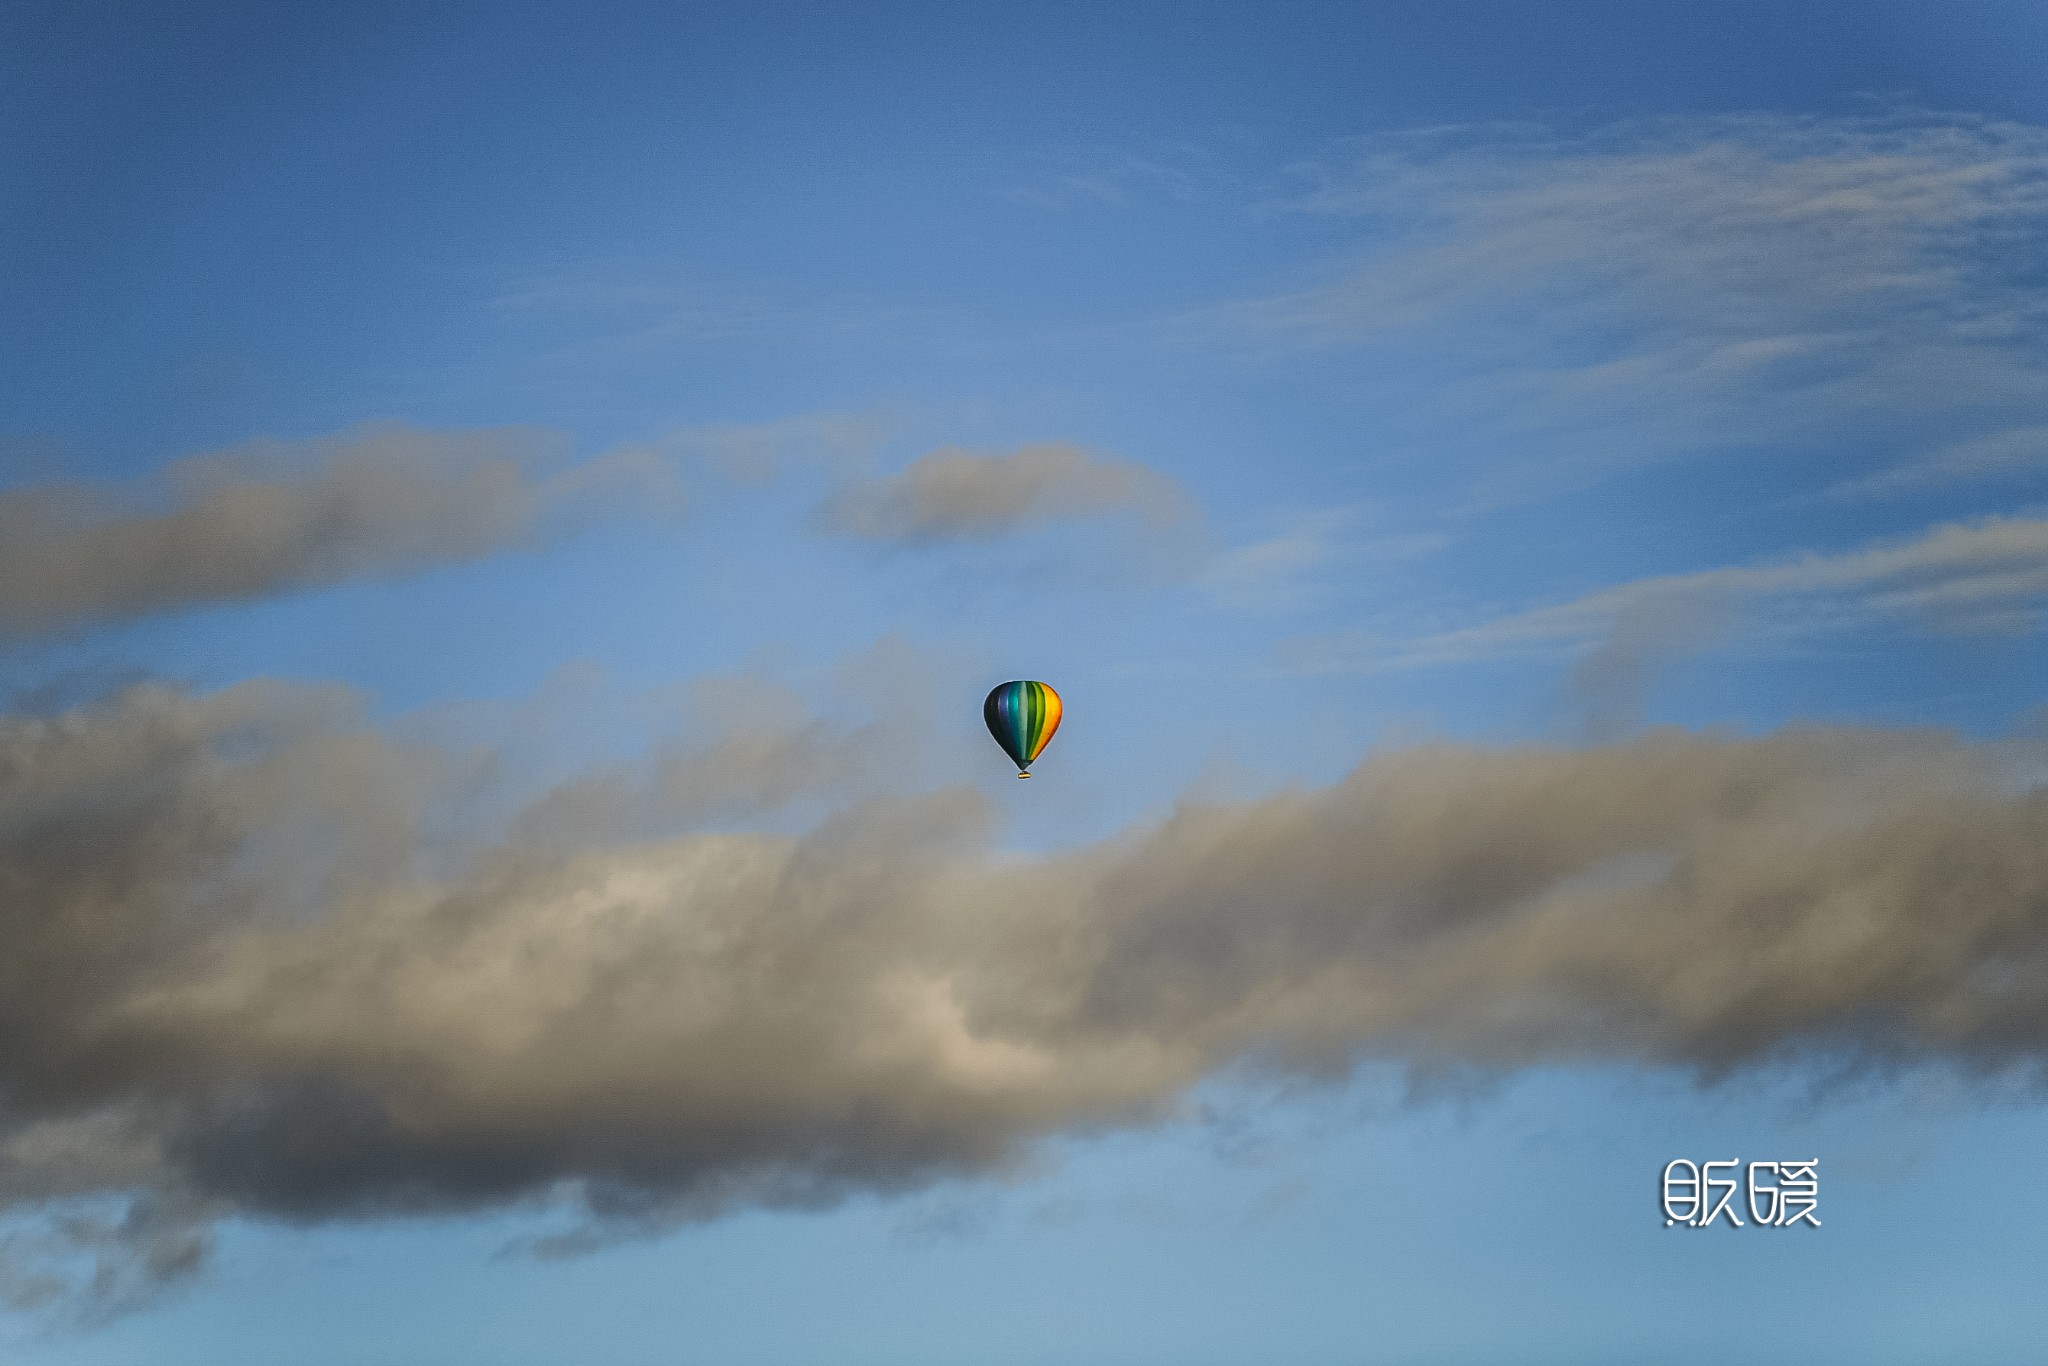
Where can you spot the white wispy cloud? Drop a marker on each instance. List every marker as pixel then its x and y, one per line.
pixel 615 310
pixel 1695 283
pixel 2002 454
pixel 1299 564
pixel 1989 575
pixel 1116 177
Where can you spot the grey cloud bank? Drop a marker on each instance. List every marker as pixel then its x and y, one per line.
pixel 273 516
pixel 232 981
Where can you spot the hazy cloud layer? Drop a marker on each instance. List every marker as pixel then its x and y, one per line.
pixel 1869 285
pixel 233 981
pixel 272 516
pixel 952 494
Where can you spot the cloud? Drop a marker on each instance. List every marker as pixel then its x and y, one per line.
pixel 753 750
pixel 952 494
pixel 232 983
pixel 756 453
pixel 1665 286
pixel 1328 652
pixel 1287 570
pixel 1613 679
pixel 120 1257
pixel 1987 576
pixel 608 312
pixel 269 517
pixel 1103 178
pixel 2003 454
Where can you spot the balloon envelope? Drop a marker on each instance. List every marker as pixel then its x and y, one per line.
pixel 1022 715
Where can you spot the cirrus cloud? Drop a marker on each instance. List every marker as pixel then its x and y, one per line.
pixel 1862 291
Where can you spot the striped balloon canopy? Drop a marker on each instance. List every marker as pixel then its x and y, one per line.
pixel 1022 715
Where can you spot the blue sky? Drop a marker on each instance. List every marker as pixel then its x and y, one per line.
pixel 1535 511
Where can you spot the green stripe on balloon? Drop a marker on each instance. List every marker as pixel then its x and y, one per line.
pixel 1022 716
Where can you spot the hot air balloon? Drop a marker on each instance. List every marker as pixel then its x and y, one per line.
pixel 1022 715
